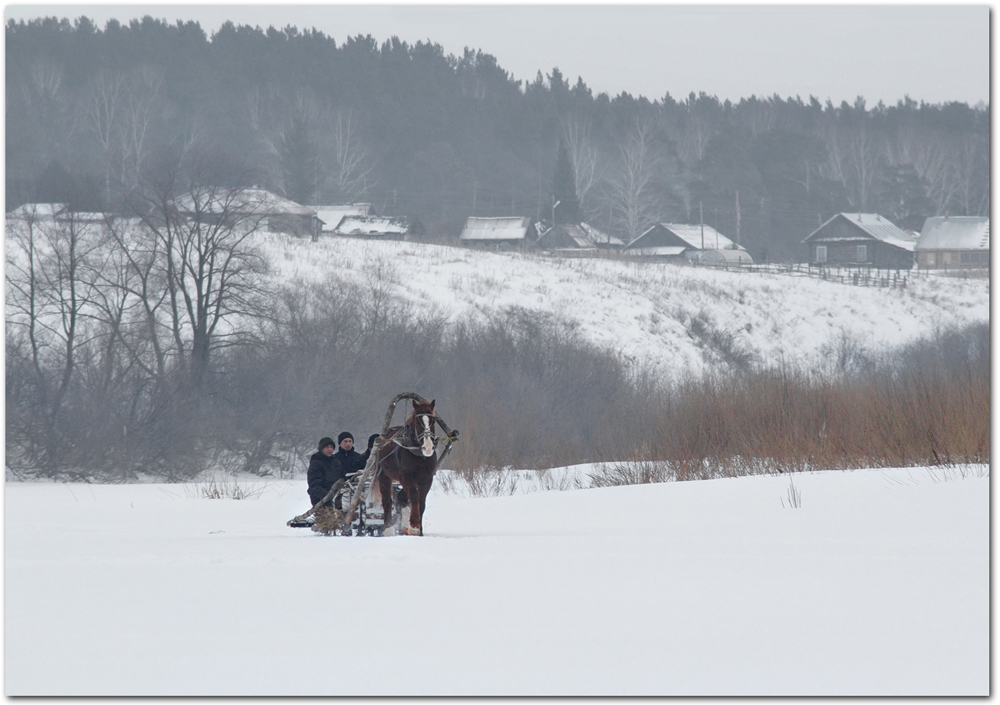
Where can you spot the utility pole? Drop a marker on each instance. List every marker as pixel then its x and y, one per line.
pixel 737 217
pixel 701 221
pixel 538 203
pixel 475 187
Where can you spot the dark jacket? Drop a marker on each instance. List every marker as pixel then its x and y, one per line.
pixel 324 471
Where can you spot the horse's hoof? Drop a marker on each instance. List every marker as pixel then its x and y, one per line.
pixel 410 531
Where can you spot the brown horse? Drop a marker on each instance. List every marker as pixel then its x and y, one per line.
pixel 407 455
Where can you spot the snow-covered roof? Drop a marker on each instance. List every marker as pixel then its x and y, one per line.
pixel 373 225
pixel 955 233
pixel 332 215
pixel 692 235
pixel 600 238
pixel 496 228
pixel 875 226
pixel 38 211
pixel 668 235
pixel 251 200
pixel 565 237
pixel 50 212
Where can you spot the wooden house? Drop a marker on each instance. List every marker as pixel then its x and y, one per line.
pixel 250 205
pixel 861 240
pixel 566 239
pixel 682 241
pixel 602 240
pixel 498 233
pixel 578 239
pixel 330 216
pixel 954 242
pixel 378 227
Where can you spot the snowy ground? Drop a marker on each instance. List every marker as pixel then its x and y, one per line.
pixel 645 310
pixel 877 584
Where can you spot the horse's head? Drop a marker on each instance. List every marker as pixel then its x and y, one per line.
pixel 423 426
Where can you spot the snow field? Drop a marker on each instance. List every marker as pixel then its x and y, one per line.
pixel 644 310
pixel 877 585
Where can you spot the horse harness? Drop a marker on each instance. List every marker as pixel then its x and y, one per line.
pixel 400 440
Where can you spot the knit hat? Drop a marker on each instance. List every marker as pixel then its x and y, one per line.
pixel 343 435
pixel 325 441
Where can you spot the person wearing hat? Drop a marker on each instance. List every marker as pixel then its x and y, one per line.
pixel 327 466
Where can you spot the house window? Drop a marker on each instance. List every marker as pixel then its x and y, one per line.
pixel 821 253
pixel 931 259
pixel 975 258
pixel 862 253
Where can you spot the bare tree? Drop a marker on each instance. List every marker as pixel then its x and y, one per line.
pixel 631 193
pixel 141 107
pixel 587 169
pixel 352 164
pixel 103 112
pixel 134 294
pixel 50 284
pixel 212 272
pixel 855 160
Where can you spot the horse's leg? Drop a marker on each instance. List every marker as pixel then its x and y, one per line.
pixel 385 487
pixel 423 490
pixel 412 527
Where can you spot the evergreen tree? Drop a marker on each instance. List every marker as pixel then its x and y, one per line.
pixel 379 114
pixel 567 208
pixel 299 162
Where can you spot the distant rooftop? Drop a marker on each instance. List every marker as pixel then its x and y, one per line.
pixel 331 215
pixel 877 227
pixel 955 233
pixel 373 225
pixel 511 228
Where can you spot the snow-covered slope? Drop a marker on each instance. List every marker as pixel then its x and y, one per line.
pixel 646 311
pixel 877 584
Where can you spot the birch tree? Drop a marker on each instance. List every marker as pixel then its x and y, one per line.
pixel 631 186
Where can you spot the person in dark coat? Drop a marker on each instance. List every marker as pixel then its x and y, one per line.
pixel 327 466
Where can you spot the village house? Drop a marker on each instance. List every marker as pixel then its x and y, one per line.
pixel 566 239
pixel 695 243
pixel 53 213
pixel 378 227
pixel 575 239
pixel 282 215
pixel 331 216
pixel 498 233
pixel 861 240
pixel 602 240
pixel 955 242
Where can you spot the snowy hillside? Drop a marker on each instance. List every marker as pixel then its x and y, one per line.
pixel 663 315
pixel 878 584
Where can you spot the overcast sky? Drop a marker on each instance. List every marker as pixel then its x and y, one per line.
pixel 934 53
